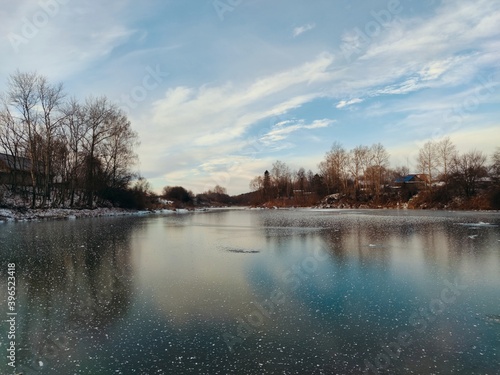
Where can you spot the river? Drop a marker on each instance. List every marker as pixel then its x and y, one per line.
pixel 255 292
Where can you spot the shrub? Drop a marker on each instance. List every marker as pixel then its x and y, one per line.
pixel 177 193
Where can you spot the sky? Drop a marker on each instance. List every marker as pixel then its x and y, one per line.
pixel 218 90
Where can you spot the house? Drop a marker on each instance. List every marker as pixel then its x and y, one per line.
pixel 412 181
pixel 15 170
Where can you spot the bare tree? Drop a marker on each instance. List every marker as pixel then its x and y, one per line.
pixel 300 176
pixel 446 152
pixel 359 160
pixel 428 160
pixel 335 168
pixel 257 185
pixel 98 113
pixel 23 98
pixel 75 132
pixel 375 174
pixel 220 190
pixel 281 178
pixel 468 169
pixel 310 177
pixel 118 150
pixel 50 98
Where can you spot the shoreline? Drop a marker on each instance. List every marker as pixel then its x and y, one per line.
pixel 23 214
pixel 8 215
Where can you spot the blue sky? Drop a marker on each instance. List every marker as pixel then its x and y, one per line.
pixel 219 90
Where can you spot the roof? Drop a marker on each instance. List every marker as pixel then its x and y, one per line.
pixel 409 178
pixel 16 163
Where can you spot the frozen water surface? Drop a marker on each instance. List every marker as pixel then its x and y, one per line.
pixel 256 292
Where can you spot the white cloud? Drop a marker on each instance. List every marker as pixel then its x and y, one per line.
pixel 281 131
pixel 345 103
pixel 64 44
pixel 215 114
pixel 302 29
pixel 417 53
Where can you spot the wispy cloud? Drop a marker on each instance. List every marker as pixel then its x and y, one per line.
pixel 346 103
pixel 302 29
pixel 64 44
pixel 283 129
pixel 215 114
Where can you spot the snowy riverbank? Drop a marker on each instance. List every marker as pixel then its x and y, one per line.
pixel 64 213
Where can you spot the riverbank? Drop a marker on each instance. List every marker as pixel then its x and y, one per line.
pixel 437 199
pixel 25 214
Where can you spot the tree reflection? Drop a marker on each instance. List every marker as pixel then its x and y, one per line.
pixel 73 280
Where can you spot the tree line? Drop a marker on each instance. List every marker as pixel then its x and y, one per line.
pixel 63 152
pixel 363 174
pixel 181 197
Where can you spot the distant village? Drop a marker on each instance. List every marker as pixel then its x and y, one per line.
pixel 362 178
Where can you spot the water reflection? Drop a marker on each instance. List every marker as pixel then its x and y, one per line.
pixel 73 281
pixel 253 292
